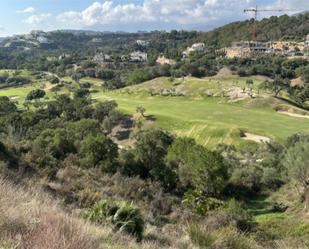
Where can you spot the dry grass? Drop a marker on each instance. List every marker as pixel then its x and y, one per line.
pixel 32 220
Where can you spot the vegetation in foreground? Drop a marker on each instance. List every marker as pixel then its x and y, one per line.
pixel 70 182
pixel 164 191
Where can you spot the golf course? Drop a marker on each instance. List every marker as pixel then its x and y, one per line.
pixel 211 110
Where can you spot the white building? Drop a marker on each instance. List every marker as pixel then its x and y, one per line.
pixel 42 39
pixel 139 56
pixel 101 58
pixel 307 41
pixel 142 43
pixel 196 47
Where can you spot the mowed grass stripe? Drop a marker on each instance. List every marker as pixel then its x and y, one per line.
pixel 187 116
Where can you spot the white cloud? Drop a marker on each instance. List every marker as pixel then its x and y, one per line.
pixel 38 19
pixel 290 4
pixel 183 12
pixel 26 10
pixel 156 14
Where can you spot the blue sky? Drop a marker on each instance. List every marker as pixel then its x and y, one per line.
pixel 22 16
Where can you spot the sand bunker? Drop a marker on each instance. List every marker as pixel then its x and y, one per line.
pixel 294 114
pixel 256 138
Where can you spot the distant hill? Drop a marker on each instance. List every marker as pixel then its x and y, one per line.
pixel 81 32
pixel 273 28
pixel 301 13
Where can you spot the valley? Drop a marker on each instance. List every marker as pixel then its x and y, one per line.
pixel 178 139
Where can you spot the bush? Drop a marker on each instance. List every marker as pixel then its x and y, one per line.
pixel 99 151
pixel 138 76
pixel 129 219
pixel 230 214
pixel 238 215
pixel 102 211
pixel 200 203
pixel 201 237
pixel 35 94
pixel 225 238
pixel 123 216
pixel 197 167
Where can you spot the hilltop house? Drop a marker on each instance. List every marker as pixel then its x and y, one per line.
pixel 196 47
pixel 252 48
pixel 246 49
pixel 101 58
pixel 139 56
pixel 286 46
pixel 142 43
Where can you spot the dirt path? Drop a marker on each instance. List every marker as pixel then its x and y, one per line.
pixel 48 86
pixel 294 114
pixel 256 138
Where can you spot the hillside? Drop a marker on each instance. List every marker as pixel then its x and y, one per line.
pixel 102 149
pixel 268 29
pixel 14 50
pixel 82 190
pixel 212 110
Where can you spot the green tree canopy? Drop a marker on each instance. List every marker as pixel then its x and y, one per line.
pixel 197 167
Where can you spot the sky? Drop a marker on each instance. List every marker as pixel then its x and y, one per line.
pixel 22 16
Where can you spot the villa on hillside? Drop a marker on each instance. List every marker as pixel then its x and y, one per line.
pixel 138 56
pixel 196 47
pixel 245 49
pixel 142 43
pixel 101 58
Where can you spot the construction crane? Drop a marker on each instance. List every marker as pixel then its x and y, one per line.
pixel 256 10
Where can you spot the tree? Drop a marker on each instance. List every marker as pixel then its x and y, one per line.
pixel 249 83
pixel 77 76
pixel 138 76
pixel 54 80
pixel 303 72
pixel 99 151
pixel 277 85
pixel 141 110
pixel 197 167
pixel 103 109
pixel 296 160
pixel 35 94
pixel 151 148
pixel 6 106
pixel 300 94
pixel 81 93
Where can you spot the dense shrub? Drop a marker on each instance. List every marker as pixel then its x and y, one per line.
pixel 225 238
pixel 7 106
pixel 35 94
pixel 200 203
pixel 125 217
pixel 197 167
pixel 138 76
pixel 151 148
pixel 99 151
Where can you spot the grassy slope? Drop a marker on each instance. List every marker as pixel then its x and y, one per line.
pixel 209 120
pixel 19 93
